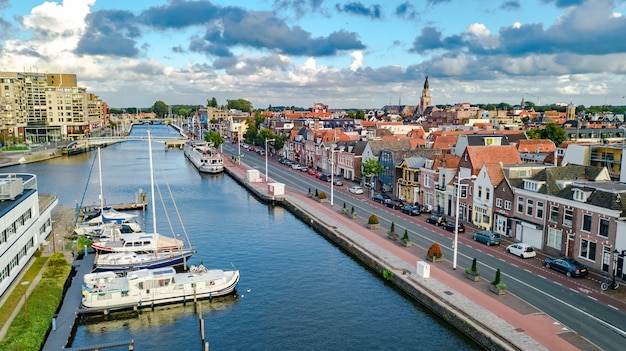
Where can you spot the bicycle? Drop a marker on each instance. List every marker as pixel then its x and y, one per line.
pixel 609 283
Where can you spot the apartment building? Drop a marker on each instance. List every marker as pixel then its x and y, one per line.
pixel 24 225
pixel 46 107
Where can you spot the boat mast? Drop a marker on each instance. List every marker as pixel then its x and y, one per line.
pixel 152 183
pixel 101 195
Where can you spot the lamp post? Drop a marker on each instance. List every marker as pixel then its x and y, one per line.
pixel 615 255
pixel 266 152
pixel 332 173
pixel 239 145
pixel 456 224
pixel 25 284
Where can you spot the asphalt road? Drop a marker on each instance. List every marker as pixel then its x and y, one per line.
pixel 564 299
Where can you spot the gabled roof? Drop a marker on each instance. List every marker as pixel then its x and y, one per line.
pixel 536 145
pixel 494 170
pixel 415 162
pixel 556 177
pixel 445 142
pixel 480 155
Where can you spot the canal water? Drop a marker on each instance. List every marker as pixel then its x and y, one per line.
pixel 297 290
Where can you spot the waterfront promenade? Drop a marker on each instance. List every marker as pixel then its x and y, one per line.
pixel 506 322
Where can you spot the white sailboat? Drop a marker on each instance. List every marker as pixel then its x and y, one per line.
pixel 142 250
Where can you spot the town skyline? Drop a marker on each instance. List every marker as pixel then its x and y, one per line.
pixel 363 54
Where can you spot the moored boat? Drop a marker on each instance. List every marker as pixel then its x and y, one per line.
pixel 148 287
pixel 129 261
pixel 204 156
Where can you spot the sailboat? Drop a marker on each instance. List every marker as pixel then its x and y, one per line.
pixel 104 220
pixel 141 250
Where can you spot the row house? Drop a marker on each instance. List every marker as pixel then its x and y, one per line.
pixel 435 176
pixel 571 211
pixel 503 212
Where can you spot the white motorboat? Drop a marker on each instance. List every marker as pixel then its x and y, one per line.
pixel 138 242
pixel 106 291
pixel 204 156
pixel 107 230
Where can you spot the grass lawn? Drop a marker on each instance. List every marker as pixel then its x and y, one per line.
pixel 29 328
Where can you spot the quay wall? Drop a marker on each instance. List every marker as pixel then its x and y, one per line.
pixel 401 278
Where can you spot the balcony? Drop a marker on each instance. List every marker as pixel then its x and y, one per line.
pixel 440 187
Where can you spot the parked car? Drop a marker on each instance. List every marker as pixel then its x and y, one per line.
pixel 356 189
pixel 312 171
pixel 325 177
pixel 411 210
pixel 569 266
pixel 382 198
pixel 436 220
pixel 522 250
pixel 337 182
pixel 488 237
pixel 282 160
pixel 395 204
pixel 449 226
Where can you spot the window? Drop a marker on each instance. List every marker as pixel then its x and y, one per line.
pixel 603 230
pixel 480 192
pixel 588 249
pixel 499 202
pixel 554 213
pixel 568 216
pixel 520 204
pixel 529 207
pixel 507 205
pixel 427 180
pixel 487 194
pixel 539 209
pixel 555 238
pixel 586 223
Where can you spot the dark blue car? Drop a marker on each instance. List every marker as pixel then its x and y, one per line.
pixel 569 266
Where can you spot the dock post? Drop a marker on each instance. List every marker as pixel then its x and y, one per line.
pixel 54 323
pixel 206 346
pixel 202 329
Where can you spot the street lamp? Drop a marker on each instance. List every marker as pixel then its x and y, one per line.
pixel 239 145
pixel 456 224
pixel 266 152
pixel 615 255
pixel 332 173
pixel 25 284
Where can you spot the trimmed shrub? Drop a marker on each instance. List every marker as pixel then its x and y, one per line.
pixel 373 220
pixel 435 251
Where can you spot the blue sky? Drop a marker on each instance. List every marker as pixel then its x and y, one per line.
pixel 363 54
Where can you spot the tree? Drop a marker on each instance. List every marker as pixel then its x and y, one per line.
pixel 240 104
pixel 371 168
pixel 160 108
pixel 360 114
pixel 215 138
pixel 212 102
pixel 551 131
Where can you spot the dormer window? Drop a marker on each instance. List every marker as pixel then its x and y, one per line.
pixel 580 195
pixel 532 185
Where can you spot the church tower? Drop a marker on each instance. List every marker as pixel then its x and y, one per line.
pixel 570 112
pixel 425 100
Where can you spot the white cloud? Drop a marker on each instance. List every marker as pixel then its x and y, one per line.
pixel 357 61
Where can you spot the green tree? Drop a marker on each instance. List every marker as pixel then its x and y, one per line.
pixel 551 131
pixel 351 114
pixel 240 104
pixel 371 167
pixel 160 108
pixel 212 102
pixel 215 138
pixel 360 114
pixel 251 134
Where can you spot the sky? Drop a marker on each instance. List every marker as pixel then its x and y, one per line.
pixel 342 53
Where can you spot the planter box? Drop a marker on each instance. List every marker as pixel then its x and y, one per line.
pixel 496 290
pixel 472 276
pixel 407 243
pixel 322 200
pixel 354 215
pixel 435 259
pixel 392 236
pixel 373 226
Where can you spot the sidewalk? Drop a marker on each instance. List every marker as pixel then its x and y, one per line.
pixel 509 316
